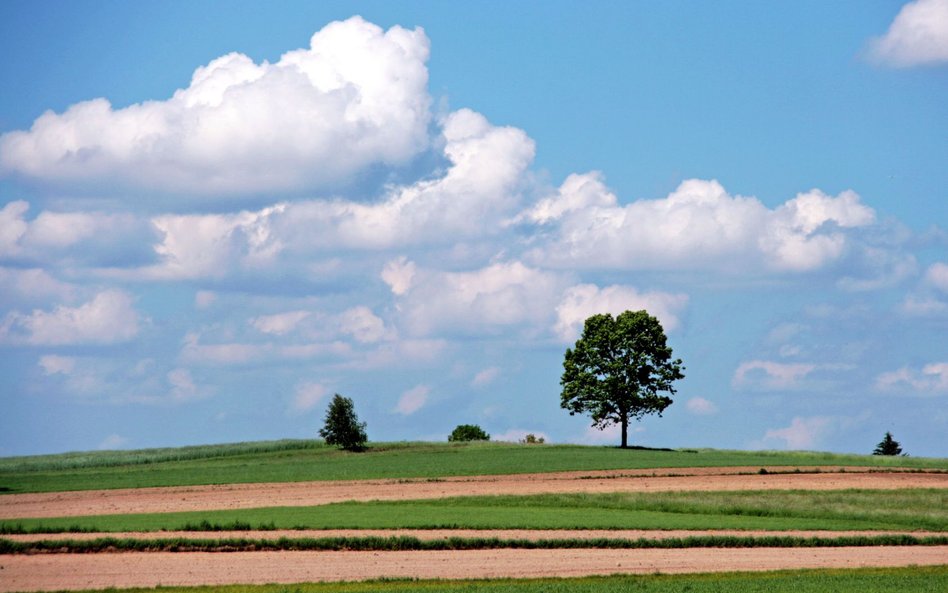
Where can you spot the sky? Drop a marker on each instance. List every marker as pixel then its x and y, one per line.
pixel 216 215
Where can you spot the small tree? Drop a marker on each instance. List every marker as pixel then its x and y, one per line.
pixel 468 432
pixel 532 439
pixel 888 446
pixel 618 370
pixel 342 426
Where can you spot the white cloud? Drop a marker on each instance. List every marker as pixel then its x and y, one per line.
pixel 917 36
pixel 930 379
pixel 577 193
pixel 204 299
pixel 474 196
pixel 357 96
pixel 307 395
pixel 53 364
pixel 515 435
pixel 362 324
pixel 228 353
pixel 107 319
pixel 413 400
pixel 182 385
pixel 398 274
pixel 279 324
pixel 12 227
pixel 764 374
pixel 701 406
pixel 584 300
pixel 937 276
pixel 112 442
pixel 32 284
pixel 210 245
pixel 802 433
pixel 697 226
pixel 485 377
pixel 500 296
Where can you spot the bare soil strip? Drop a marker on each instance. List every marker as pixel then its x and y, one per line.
pixel 86 571
pixel 443 534
pixel 235 496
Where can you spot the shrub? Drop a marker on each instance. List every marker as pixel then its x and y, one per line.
pixel 468 432
pixel 532 439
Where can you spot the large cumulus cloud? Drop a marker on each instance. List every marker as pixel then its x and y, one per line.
pixel 356 97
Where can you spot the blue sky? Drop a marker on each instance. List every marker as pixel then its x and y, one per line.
pixel 215 215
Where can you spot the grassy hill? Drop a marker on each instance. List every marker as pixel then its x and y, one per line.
pixel 304 460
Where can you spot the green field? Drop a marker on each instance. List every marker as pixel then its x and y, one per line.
pixel 405 543
pixel 292 461
pixel 919 509
pixel 904 580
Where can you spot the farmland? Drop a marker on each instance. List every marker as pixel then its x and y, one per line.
pixel 461 511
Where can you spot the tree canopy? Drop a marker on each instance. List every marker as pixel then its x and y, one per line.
pixel 468 432
pixel 342 426
pixel 619 370
pixel 888 446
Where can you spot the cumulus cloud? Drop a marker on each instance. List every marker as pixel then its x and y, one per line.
pixel 917 36
pixel 696 226
pixel 32 284
pixel 280 323
pixel 701 406
pixel 581 301
pixel 930 379
pixel 357 96
pixel 362 325
pixel 472 198
pixel 802 433
pixel 107 319
pixel 485 377
pixel 307 395
pixel 182 386
pixel 53 364
pixel 501 296
pixel 398 274
pixel 413 400
pixel 112 442
pixel 765 374
pixel 937 276
pixel 515 435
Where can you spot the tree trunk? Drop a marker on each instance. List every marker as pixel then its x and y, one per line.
pixel 625 432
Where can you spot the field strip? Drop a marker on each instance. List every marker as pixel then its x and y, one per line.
pixel 50 572
pixel 443 534
pixel 237 496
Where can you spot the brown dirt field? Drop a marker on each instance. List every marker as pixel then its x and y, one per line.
pixel 233 496
pixel 67 571
pixel 84 571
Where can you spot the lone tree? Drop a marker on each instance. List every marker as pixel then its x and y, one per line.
pixel 888 446
pixel 342 426
pixel 618 370
pixel 468 432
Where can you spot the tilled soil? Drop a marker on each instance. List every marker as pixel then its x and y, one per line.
pixel 50 572
pixel 84 571
pixel 235 496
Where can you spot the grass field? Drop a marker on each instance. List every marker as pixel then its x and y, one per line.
pixel 771 510
pixel 293 461
pixel 904 580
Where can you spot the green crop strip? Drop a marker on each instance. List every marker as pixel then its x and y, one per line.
pixel 907 510
pixel 293 461
pixel 109 544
